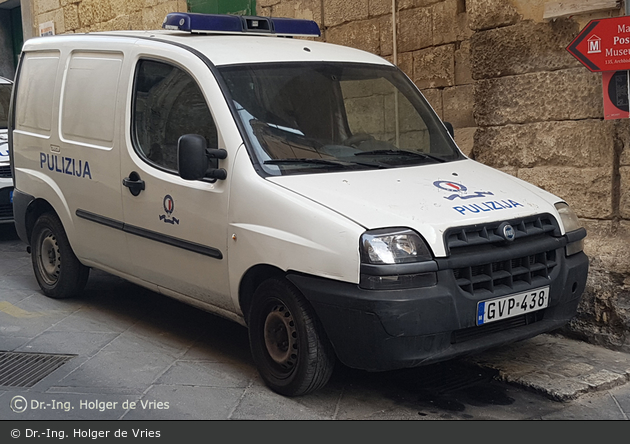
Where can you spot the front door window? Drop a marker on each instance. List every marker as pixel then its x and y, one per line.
pixel 167 104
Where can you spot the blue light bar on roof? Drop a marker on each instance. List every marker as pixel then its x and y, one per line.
pixel 231 24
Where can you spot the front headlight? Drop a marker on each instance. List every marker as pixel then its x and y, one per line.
pixel 571 223
pixel 393 246
pixel 395 259
pixel 569 219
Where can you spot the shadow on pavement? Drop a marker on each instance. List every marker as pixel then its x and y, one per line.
pixel 8 233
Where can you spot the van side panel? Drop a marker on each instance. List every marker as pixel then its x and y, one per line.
pixel 88 131
pixel 36 98
pixel 67 139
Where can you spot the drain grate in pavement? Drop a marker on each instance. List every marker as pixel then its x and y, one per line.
pixel 19 369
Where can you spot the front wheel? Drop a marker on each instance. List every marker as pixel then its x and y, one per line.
pixel 288 344
pixel 57 270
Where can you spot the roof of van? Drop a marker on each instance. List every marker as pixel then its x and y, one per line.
pixel 230 49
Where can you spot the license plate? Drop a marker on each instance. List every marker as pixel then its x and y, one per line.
pixel 11 196
pixel 513 305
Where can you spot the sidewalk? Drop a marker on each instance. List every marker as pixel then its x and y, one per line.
pixel 133 354
pixel 557 367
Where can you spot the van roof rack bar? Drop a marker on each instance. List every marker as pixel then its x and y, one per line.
pixel 237 24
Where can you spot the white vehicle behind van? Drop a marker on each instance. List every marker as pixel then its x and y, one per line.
pixel 6 181
pixel 305 190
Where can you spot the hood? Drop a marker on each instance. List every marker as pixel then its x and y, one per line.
pixel 427 198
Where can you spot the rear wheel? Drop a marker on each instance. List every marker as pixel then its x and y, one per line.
pixel 288 344
pixel 57 270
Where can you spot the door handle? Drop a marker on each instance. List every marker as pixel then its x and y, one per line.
pixel 134 183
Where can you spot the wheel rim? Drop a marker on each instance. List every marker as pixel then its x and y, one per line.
pixel 48 257
pixel 281 337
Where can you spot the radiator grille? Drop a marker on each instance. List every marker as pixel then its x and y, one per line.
pixel 506 274
pixel 5 171
pixel 484 234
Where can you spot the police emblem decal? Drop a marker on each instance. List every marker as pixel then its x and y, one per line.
pixel 458 190
pixel 169 206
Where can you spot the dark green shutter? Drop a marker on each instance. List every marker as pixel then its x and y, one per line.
pixel 240 7
pixel 16 33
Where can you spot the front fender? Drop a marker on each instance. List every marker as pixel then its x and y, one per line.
pixel 272 225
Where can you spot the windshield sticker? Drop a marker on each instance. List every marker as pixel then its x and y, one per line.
pixel 492 205
pixel 459 191
pixel 169 207
pixel 65 165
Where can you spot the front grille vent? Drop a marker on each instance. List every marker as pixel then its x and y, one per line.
pixel 26 369
pixel 6 211
pixel 467 334
pixel 484 234
pixel 5 171
pixel 506 274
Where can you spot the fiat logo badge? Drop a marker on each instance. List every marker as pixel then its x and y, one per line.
pixel 507 231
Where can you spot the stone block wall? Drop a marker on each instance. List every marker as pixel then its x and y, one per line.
pixel 519 102
pixel 540 117
pixel 74 16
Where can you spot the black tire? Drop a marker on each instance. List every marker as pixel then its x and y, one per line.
pixel 288 344
pixel 58 271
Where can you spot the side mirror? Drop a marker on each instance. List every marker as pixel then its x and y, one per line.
pixel 195 161
pixel 449 128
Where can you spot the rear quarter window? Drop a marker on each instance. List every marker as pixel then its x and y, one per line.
pixel 34 110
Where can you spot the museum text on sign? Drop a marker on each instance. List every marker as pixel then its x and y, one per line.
pixel 603 45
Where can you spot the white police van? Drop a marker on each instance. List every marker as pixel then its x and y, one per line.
pixel 6 181
pixel 303 189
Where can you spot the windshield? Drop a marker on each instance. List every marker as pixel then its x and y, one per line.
pixel 314 117
pixel 5 99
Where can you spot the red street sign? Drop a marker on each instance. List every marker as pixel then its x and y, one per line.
pixel 603 45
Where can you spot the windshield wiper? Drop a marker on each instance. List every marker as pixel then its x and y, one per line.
pixel 286 129
pixel 305 161
pixel 401 153
pixel 324 162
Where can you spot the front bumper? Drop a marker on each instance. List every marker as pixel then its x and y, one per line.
pixel 387 330
pixel 6 201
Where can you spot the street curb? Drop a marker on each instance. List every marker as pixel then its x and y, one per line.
pixel 559 368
